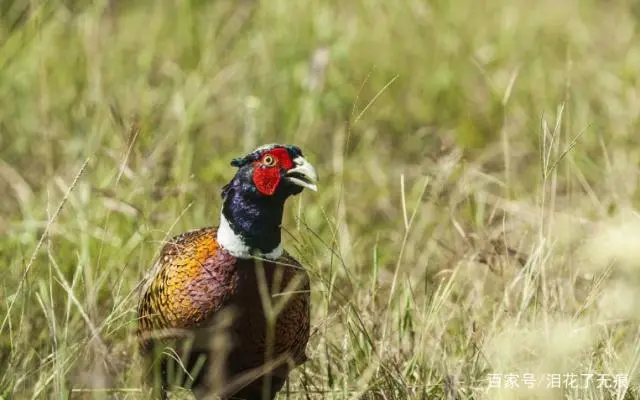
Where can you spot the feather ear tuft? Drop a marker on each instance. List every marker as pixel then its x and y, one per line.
pixel 244 160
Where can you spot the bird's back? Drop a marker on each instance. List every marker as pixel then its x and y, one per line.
pixel 237 313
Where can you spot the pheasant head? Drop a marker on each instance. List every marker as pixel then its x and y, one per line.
pixel 253 201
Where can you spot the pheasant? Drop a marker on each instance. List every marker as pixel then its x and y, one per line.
pixel 225 310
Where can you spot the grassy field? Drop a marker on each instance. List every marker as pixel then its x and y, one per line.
pixel 476 218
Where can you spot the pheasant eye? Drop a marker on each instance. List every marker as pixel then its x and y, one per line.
pixel 269 160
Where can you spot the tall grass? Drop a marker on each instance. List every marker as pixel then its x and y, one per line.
pixel 479 184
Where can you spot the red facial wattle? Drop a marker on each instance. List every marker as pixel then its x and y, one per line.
pixel 266 178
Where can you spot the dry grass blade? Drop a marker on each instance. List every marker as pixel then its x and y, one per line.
pixel 34 254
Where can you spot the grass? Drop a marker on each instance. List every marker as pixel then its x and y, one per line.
pixel 477 208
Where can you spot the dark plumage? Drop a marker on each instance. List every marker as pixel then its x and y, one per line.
pixel 228 300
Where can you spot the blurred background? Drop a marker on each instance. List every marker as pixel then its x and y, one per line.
pixel 477 204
